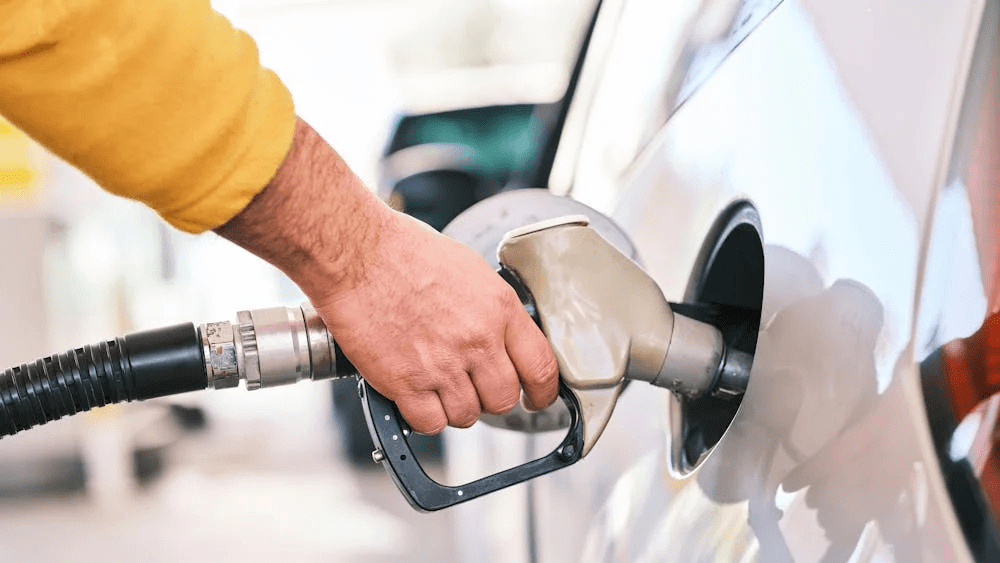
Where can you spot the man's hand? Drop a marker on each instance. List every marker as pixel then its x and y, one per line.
pixel 437 331
pixel 425 320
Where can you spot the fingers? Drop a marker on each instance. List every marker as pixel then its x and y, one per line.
pixel 532 357
pixel 460 402
pixel 496 383
pixel 424 413
pixel 494 386
pixel 456 404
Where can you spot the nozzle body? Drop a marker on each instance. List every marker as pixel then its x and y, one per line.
pixel 608 321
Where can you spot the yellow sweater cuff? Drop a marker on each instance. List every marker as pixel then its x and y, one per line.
pixel 161 101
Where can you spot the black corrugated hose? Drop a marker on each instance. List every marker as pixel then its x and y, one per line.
pixel 138 366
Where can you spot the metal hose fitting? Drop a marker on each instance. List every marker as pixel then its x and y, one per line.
pixel 270 347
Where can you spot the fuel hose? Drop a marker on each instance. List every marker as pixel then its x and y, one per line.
pixel 138 366
pixel 264 348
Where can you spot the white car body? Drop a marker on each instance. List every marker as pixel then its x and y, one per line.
pixel 841 122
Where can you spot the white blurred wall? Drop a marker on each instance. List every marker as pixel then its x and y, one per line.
pixel 78 265
pixel 23 315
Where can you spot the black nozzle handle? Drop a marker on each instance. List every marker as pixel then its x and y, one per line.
pixel 390 434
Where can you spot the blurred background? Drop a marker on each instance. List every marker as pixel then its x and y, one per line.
pixel 395 86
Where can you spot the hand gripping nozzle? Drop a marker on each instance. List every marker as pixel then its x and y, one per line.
pixel 607 322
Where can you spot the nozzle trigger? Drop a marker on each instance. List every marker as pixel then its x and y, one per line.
pixel 390 434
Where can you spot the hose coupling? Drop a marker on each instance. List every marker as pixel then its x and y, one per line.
pixel 269 347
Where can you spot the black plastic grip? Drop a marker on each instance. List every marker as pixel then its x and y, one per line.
pixel 166 361
pixel 138 366
pixel 390 432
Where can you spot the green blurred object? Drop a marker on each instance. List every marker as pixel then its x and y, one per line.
pixel 436 165
pixel 501 138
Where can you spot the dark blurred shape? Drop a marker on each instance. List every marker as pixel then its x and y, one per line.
pixel 436 197
pixel 500 135
pixel 148 464
pixel 436 165
pixel 190 419
pixel 56 475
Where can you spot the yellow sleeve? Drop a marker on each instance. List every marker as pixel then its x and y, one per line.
pixel 161 101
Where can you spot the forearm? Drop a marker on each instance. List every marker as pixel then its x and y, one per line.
pixel 315 220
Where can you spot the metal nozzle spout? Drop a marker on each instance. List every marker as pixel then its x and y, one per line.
pixel 735 374
pixel 692 357
pixel 697 361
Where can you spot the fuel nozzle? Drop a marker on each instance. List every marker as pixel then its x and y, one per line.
pixel 608 322
pixel 606 319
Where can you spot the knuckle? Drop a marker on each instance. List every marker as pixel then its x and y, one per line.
pixel 484 355
pixel 497 384
pixel 508 298
pixel 452 382
pixel 411 379
pixel 420 414
pixel 479 345
pixel 420 380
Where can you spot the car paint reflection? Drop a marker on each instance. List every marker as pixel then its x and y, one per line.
pixel 794 141
pixel 783 461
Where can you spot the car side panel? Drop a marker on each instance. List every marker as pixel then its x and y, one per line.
pixel 835 120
